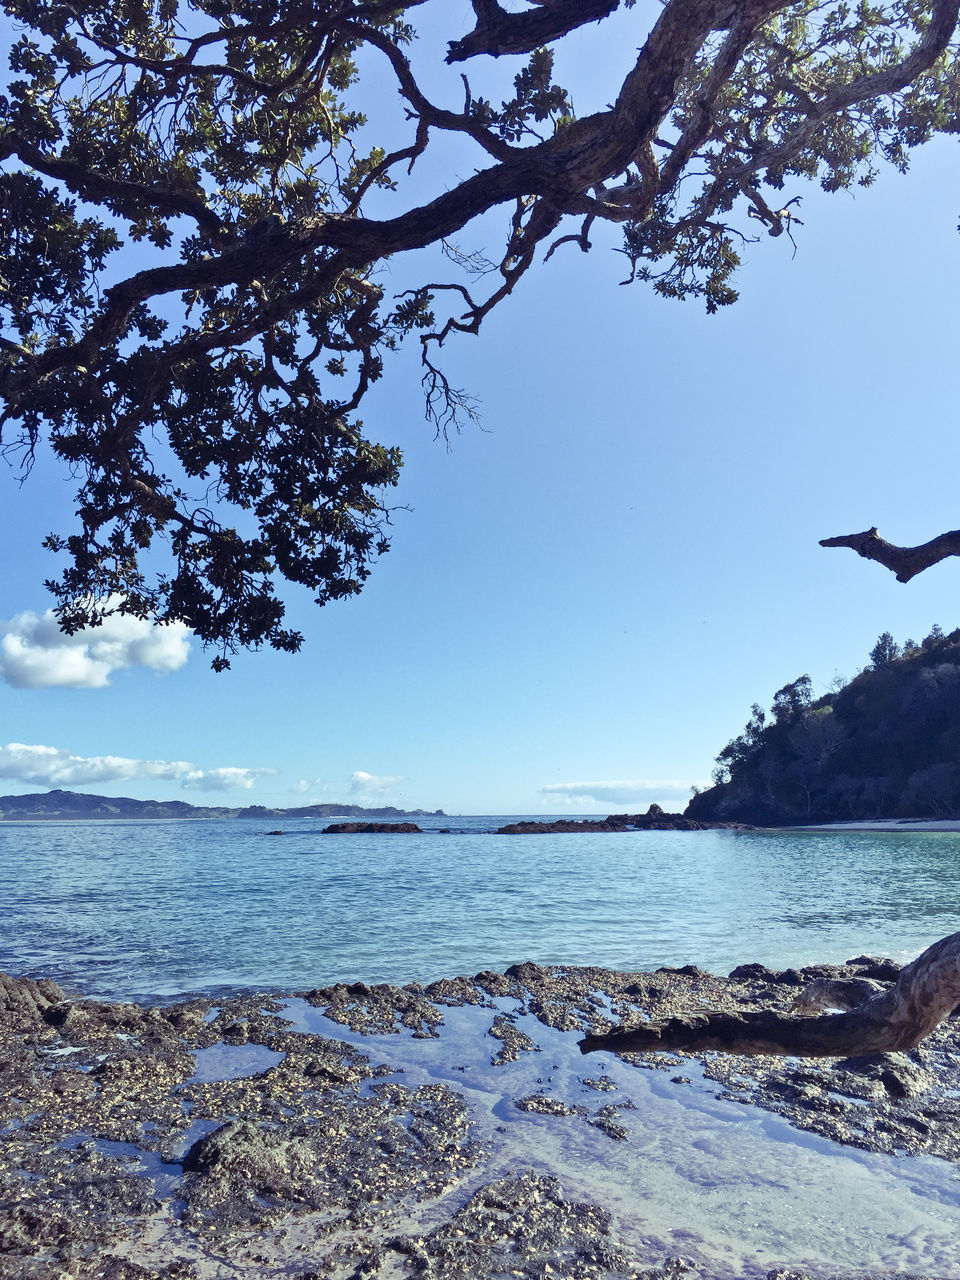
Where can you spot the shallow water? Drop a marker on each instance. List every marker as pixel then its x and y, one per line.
pixel 138 910
pixel 733 1188
pixel 144 910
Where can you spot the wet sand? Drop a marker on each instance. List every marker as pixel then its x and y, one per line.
pixel 455 1130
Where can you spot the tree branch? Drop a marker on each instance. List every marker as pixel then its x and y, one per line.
pixel 699 129
pixel 581 156
pixel 904 562
pixel 425 109
pixel 498 32
pixel 90 184
pixel 927 991
pixel 890 80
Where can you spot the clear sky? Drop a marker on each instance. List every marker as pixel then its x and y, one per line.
pixel 584 597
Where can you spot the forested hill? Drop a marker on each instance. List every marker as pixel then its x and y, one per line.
pixel 886 744
pixel 65 806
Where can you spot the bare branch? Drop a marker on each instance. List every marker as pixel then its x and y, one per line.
pixel 927 991
pixel 498 32
pixel 904 562
pixel 425 109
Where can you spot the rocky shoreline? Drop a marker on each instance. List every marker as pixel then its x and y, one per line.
pixel 655 819
pixel 259 1135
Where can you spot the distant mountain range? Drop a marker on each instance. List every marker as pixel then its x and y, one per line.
pixel 61 806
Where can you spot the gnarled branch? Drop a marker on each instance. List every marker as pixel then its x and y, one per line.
pixel 904 562
pixel 499 32
pixel 927 991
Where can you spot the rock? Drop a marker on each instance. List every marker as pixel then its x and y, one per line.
pixel 541 1105
pixel 879 968
pixel 753 973
pixel 367 828
pixel 246 1152
pixel 561 827
pixel 653 820
pixel 513 1040
pixel 897 1072
pixel 24 1001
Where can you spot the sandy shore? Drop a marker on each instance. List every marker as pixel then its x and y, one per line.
pixel 887 824
pixel 455 1131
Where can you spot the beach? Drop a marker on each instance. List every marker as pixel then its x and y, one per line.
pixel 455 1130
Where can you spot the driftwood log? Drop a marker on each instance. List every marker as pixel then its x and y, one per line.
pixel 926 992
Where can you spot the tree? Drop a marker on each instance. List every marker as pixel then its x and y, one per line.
pixel 792 701
pixel 884 651
pixel 191 225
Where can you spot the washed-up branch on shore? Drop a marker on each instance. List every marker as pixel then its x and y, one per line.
pixel 926 992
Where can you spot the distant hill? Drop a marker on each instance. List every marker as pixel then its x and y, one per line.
pixel 886 744
pixel 60 806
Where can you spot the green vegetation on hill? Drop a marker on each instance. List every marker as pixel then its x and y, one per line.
pixel 65 806
pixel 886 744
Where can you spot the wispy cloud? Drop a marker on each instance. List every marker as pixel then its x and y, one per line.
pixel 55 767
pixel 35 653
pixel 635 792
pixel 370 786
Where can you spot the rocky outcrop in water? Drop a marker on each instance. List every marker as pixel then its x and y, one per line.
pixel 655 819
pixel 371 828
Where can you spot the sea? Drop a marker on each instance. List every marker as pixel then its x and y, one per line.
pixel 155 910
pixel 152 911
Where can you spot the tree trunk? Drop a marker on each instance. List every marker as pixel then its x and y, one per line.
pixel 925 993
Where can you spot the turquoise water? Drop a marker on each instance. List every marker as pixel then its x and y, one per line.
pixel 141 910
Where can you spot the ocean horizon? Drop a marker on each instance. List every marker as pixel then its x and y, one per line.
pixel 155 910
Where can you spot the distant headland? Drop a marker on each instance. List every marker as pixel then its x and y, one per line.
pixel 65 806
pixel 883 745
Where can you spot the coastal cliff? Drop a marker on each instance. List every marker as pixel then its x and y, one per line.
pixel 886 744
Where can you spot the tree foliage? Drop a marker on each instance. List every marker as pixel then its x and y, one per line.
pixel 194 217
pixel 885 744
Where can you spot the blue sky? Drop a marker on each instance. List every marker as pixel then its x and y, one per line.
pixel 585 596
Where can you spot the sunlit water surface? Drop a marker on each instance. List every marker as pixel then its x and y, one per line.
pixel 141 910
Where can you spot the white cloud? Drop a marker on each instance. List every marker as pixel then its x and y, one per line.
pixel 370 785
pixel 55 767
pixel 35 653
pixel 229 779
pixel 642 791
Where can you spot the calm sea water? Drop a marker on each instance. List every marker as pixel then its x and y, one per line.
pixel 144 910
